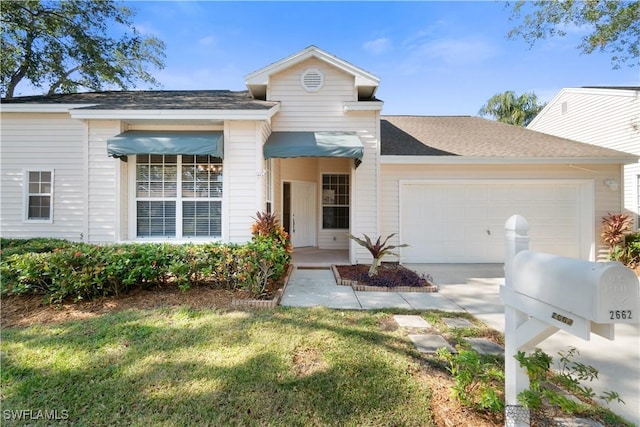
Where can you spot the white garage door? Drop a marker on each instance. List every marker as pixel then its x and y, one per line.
pixel 463 222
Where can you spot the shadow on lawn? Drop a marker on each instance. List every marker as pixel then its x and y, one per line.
pixel 187 367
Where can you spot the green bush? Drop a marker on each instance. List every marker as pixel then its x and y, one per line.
pixel 627 251
pixel 479 381
pixel 61 269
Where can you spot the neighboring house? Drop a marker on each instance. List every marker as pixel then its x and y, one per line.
pixel 605 116
pixel 306 141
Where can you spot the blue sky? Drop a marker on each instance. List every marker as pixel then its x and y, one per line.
pixel 433 58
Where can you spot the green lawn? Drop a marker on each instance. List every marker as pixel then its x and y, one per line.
pixel 171 367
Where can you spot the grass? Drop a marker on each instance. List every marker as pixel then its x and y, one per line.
pixel 178 366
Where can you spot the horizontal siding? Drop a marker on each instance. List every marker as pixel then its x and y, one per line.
pixel 605 199
pixel 301 110
pixel 42 142
pixel 609 121
pixel 607 118
pixel 241 179
pixel 324 110
pixel 103 198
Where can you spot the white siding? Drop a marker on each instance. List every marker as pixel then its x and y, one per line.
pixel 103 185
pixel 605 117
pixel 605 200
pixel 324 110
pixel 43 142
pixel 241 180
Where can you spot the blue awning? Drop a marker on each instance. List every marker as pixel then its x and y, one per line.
pixel 166 142
pixel 313 144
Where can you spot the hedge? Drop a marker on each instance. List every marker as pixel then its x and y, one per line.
pixel 59 269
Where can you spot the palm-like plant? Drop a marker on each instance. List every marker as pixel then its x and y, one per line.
pixel 614 228
pixel 378 249
pixel 507 107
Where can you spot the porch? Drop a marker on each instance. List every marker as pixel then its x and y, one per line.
pixel 312 257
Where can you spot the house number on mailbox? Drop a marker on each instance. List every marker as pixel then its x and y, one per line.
pixel 562 319
pixel 620 314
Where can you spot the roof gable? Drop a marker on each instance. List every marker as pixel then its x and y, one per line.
pixel 258 81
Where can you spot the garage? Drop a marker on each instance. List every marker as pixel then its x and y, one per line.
pixel 462 221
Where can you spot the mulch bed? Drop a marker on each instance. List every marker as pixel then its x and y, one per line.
pixel 390 277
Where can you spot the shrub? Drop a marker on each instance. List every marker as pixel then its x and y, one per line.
pixel 377 250
pixel 61 269
pixel 614 228
pixel 267 225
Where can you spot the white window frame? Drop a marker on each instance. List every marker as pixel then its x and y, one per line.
pixel 178 199
pixel 268 185
pixel 27 194
pixel 322 204
pixel 638 201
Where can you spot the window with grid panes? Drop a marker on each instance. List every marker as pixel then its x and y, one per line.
pixel 178 196
pixel 39 195
pixel 335 201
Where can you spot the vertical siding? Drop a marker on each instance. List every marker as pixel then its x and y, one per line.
pixel 605 200
pixel 42 142
pixel 324 110
pixel 103 198
pixel 606 117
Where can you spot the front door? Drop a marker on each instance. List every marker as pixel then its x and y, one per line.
pixel 301 212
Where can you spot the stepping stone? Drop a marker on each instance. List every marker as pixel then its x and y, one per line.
pixel 430 343
pixel 457 322
pixel 576 422
pixel 411 321
pixel 484 346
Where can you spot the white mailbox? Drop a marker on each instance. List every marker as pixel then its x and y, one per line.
pixel 544 293
pixel 600 292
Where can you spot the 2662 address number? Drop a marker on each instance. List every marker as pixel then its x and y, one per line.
pixel 620 314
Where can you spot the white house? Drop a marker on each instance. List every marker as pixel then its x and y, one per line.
pixel 307 141
pixel 604 116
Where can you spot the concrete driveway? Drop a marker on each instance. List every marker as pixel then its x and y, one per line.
pixel 475 288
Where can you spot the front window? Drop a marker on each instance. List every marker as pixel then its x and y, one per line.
pixel 178 196
pixel 39 199
pixel 335 201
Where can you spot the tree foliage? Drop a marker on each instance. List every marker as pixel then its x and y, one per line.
pixel 507 107
pixel 63 46
pixel 610 26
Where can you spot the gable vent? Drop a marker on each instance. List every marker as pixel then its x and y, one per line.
pixel 312 80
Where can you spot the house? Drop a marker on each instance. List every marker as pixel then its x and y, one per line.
pixel 307 141
pixel 605 116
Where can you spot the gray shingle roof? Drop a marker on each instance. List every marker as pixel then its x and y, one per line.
pixel 153 100
pixel 477 137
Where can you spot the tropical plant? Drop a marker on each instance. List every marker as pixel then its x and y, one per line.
pixel 614 228
pixel 507 107
pixel 479 382
pixel 267 225
pixel 611 26
pixel 65 46
pixel 543 396
pixel 378 249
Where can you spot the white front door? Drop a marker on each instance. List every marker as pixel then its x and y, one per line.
pixel 303 214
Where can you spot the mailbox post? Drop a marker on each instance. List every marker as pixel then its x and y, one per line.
pixel 544 293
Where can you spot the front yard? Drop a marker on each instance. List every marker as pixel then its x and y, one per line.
pixel 184 366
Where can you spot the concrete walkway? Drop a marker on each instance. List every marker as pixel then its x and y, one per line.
pixel 311 287
pixel 475 288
